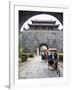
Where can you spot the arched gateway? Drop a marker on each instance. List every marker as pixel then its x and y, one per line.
pixel 41 33
pixel 42 44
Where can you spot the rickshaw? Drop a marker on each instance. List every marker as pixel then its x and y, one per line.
pixel 52 60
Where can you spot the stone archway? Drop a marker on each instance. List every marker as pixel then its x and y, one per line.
pixel 43 44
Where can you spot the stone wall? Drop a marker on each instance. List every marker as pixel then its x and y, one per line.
pixel 31 40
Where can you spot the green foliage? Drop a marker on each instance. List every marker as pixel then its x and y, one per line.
pixel 20 52
pixel 61 57
pixel 24 57
pixel 31 55
pixel 60 53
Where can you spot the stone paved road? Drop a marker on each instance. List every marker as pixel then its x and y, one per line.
pixel 37 68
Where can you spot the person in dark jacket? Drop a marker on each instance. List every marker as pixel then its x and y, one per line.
pixel 55 55
pixel 56 61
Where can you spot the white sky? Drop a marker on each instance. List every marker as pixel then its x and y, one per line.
pixel 41 17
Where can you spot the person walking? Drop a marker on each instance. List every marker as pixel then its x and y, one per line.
pixel 46 55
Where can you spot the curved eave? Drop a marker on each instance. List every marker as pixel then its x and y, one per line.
pixel 42 25
pixel 41 21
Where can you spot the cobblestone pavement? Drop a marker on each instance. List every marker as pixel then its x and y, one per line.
pixel 37 68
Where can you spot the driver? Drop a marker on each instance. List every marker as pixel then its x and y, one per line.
pixel 56 61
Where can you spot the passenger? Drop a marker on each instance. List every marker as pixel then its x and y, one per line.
pixel 50 61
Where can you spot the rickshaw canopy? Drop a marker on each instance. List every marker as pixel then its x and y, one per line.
pixel 43 48
pixel 52 49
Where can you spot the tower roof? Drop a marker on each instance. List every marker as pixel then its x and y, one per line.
pixel 44 25
pixel 43 21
